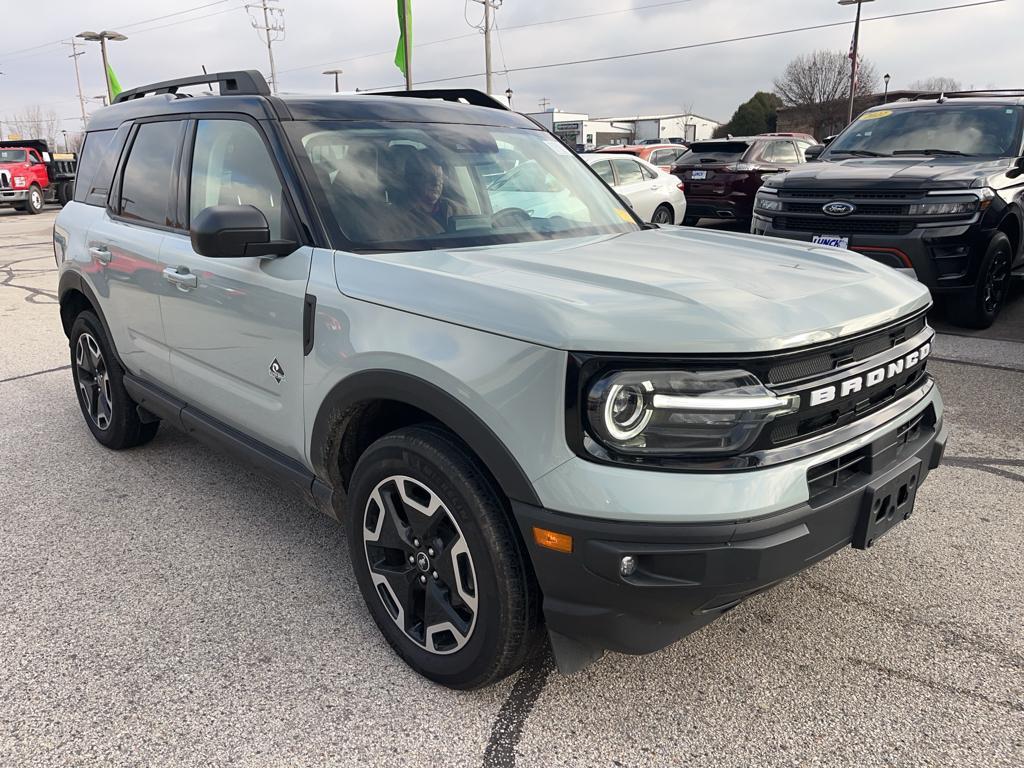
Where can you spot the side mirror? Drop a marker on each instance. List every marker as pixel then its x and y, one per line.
pixel 812 152
pixel 1016 169
pixel 235 231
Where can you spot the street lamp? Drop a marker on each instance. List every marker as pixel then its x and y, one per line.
pixel 508 95
pixel 336 73
pixel 853 53
pixel 102 37
pixel 886 79
pixel 64 135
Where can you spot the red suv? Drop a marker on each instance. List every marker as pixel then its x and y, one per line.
pixel 722 176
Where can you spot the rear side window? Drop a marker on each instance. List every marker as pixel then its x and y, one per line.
pixel 604 170
pixel 628 171
pixel 146 184
pixel 97 163
pixel 714 152
pixel 780 152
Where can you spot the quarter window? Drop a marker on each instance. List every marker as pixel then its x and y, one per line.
pixel 231 166
pixel 604 169
pixel 628 171
pixel 146 184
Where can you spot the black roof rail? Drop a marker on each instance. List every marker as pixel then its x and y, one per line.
pixel 967 94
pixel 246 82
pixel 458 95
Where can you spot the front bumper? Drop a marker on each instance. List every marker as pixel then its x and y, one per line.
pixel 13 195
pixel 943 258
pixel 689 574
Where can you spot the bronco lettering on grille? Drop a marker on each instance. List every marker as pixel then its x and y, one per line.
pixel 871 378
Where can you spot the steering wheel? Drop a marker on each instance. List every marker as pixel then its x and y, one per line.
pixel 511 213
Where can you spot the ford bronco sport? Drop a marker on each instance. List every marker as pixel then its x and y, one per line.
pixel 933 187
pixel 549 418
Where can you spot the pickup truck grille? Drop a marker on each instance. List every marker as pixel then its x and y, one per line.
pixel 878 212
pixel 5 180
pixel 831 225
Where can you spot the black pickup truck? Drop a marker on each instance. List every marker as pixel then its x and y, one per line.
pixel 932 186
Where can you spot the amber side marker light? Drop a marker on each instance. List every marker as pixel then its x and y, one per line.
pixel 560 542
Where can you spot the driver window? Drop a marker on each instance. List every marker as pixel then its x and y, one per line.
pixel 231 166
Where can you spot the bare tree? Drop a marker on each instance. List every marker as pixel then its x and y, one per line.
pixel 35 123
pixel 819 83
pixel 936 85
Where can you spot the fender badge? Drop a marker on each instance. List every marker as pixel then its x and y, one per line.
pixel 277 371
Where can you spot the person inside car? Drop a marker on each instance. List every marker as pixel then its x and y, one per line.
pixel 423 196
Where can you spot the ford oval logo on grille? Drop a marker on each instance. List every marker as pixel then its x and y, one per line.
pixel 839 208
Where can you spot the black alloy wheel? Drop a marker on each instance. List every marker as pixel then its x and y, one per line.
pixel 662 215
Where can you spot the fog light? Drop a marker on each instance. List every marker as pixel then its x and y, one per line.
pixel 627 567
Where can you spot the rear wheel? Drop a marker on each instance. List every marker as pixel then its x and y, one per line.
pixel 34 201
pixel 979 306
pixel 690 221
pixel 663 214
pixel 109 411
pixel 65 190
pixel 438 562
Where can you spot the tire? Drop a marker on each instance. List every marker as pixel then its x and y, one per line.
pixel 979 306
pixel 109 411
pixel 690 221
pixel 465 560
pixel 663 214
pixel 64 192
pixel 34 202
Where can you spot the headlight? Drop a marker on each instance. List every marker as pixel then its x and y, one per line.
pixel 19 181
pixel 944 209
pixel 681 413
pixel 768 203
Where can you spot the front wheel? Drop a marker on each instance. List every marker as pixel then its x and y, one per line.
pixel 979 306
pixel 663 214
pixel 439 564
pixel 34 202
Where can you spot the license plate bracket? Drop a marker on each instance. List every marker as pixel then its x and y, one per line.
pixel 887 502
pixel 836 241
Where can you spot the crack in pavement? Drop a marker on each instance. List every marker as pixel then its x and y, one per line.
pixel 945 688
pixel 511 718
pixel 34 373
pixel 988 464
pixel 8 274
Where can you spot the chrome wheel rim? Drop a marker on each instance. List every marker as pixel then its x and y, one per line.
pixel 93 381
pixel 420 564
pixel 36 199
pixel 996 282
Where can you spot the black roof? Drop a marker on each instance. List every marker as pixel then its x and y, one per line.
pixel 368 107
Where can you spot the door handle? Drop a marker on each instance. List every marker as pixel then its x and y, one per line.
pixel 654 187
pixel 184 280
pixel 101 253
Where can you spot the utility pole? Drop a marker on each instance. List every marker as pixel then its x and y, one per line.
pixel 336 73
pixel 489 7
pixel 75 53
pixel 272 30
pixel 544 104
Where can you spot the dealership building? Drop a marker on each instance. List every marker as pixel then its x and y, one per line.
pixel 579 130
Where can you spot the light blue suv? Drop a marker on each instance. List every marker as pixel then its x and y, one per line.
pixel 548 419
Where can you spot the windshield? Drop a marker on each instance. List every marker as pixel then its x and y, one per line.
pixel 401 186
pixel 713 152
pixel 944 129
pixel 12 155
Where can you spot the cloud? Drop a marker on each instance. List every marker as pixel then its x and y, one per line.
pixel 977 46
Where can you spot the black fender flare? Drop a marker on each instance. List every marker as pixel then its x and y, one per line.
pixel 379 384
pixel 73 281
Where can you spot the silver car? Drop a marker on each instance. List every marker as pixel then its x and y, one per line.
pixel 539 418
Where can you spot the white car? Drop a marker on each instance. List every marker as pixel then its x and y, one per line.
pixel 655 196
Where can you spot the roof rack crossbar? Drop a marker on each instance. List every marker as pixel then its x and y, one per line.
pixel 965 94
pixel 460 95
pixel 247 82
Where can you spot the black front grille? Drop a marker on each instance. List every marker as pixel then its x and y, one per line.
pixel 862 210
pixel 850 194
pixel 843 226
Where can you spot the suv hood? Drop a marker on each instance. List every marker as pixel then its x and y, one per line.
pixel 903 172
pixel 670 290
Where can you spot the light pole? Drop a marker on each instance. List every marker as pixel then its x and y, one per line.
pixel 853 54
pixel 102 37
pixel 886 79
pixel 64 135
pixel 508 95
pixel 336 73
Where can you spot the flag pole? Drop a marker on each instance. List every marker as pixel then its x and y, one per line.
pixel 407 41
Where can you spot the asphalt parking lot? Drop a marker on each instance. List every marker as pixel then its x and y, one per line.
pixel 168 606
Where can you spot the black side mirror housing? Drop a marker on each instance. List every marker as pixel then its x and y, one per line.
pixel 813 151
pixel 1016 169
pixel 235 231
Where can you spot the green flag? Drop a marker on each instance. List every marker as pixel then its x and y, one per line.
pixel 404 29
pixel 115 87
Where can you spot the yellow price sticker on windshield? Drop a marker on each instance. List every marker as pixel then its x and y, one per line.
pixel 623 215
pixel 876 114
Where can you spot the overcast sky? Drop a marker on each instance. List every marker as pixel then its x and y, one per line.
pixel 979 46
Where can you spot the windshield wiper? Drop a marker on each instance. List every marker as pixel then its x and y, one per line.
pixel 932 152
pixel 858 152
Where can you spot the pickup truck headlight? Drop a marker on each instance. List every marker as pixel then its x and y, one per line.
pixel 768 203
pixel 681 413
pixel 944 209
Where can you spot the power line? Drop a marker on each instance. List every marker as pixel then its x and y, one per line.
pixel 706 44
pixel 599 13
